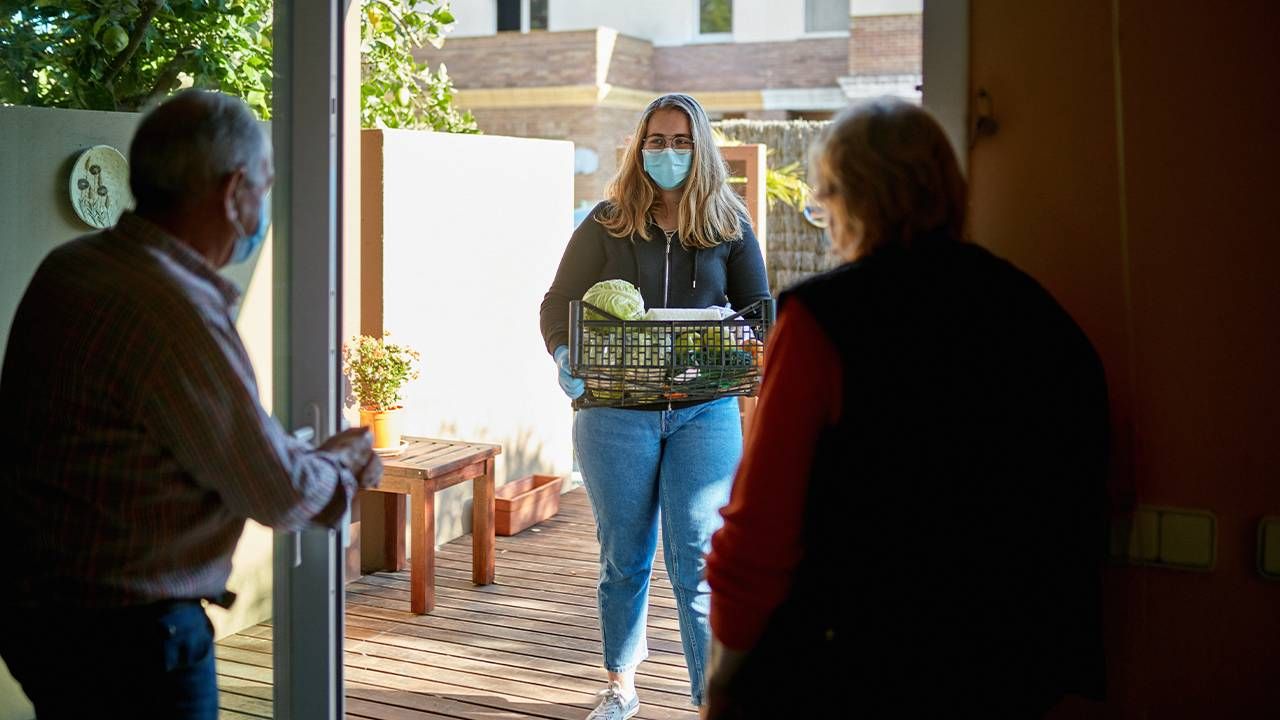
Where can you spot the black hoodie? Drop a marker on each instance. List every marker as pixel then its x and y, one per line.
pixel 668 274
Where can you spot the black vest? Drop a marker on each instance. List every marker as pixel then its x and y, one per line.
pixel 954 522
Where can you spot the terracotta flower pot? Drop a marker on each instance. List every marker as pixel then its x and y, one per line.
pixel 525 502
pixel 386 426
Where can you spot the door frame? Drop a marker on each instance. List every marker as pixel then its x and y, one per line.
pixel 945 71
pixel 308 598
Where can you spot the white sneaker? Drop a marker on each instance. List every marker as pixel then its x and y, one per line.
pixel 613 705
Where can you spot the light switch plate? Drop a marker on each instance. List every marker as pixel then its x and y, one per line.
pixel 1187 539
pixel 1135 537
pixel 1177 538
pixel 1269 547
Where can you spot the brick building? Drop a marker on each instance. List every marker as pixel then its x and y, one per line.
pixel 581 70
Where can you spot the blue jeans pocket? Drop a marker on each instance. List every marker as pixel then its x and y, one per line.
pixel 188 638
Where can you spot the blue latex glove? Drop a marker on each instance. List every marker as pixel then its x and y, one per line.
pixel 572 386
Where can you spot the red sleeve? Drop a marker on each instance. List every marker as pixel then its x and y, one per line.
pixel 754 555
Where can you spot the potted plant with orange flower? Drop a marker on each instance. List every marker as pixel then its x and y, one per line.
pixel 378 371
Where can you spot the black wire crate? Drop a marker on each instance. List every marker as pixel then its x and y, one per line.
pixel 625 363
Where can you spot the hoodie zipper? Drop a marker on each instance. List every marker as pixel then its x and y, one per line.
pixel 666 282
pixel 666 277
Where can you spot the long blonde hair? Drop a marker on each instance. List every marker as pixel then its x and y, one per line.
pixel 710 211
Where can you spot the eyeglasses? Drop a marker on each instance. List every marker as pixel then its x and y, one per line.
pixel 662 142
pixel 815 208
pixel 816 214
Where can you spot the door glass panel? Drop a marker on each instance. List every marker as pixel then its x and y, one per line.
pixel 245 646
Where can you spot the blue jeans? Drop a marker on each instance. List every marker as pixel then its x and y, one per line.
pixel 154 662
pixel 641 467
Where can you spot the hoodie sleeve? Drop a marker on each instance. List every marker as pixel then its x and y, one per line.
pixel 745 277
pixel 579 269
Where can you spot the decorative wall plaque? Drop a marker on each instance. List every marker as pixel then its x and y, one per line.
pixel 100 186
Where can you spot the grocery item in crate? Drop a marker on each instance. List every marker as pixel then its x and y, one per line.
pixel 737 335
pixel 676 314
pixel 725 358
pixel 607 348
pixel 616 297
pixel 668 354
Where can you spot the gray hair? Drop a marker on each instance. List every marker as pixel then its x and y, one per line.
pixel 188 144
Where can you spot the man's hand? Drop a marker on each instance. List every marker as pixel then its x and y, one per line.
pixel 354 448
pixel 370 476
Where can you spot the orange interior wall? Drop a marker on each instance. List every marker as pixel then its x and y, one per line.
pixel 1134 175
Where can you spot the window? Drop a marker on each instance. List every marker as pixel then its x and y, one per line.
pixel 522 15
pixel 537 14
pixel 508 15
pixel 715 16
pixel 826 15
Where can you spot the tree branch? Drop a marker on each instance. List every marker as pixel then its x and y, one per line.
pixel 135 39
pixel 168 74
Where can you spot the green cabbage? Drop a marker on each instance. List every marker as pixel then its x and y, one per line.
pixel 617 297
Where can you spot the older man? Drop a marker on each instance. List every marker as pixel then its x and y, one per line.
pixel 134 442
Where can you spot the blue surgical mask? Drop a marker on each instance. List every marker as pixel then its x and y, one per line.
pixel 669 168
pixel 247 244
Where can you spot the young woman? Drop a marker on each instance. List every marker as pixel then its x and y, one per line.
pixel 915 530
pixel 673 227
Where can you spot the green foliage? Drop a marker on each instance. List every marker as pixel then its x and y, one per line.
pixel 121 54
pixel 396 90
pixel 785 185
pixel 781 184
pixel 715 16
pixel 378 370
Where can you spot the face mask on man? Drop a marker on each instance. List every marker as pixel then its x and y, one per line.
pixel 247 244
pixel 669 168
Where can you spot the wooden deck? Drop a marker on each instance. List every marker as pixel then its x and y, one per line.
pixel 526 646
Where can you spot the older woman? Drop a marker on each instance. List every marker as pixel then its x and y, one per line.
pixel 915 523
pixel 673 227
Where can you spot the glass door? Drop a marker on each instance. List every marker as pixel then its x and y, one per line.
pixel 308 588
pixel 281 651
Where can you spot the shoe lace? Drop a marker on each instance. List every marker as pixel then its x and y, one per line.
pixel 611 699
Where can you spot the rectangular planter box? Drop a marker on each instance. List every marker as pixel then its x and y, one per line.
pixel 525 502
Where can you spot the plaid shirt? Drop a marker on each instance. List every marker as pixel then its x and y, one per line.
pixel 134 442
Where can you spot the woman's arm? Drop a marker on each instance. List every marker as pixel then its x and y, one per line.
pixel 745 278
pixel 579 270
pixel 755 554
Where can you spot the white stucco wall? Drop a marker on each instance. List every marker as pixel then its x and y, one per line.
pixel 671 22
pixel 662 22
pixel 474 17
pixel 37 148
pixel 473 230
pixel 885 7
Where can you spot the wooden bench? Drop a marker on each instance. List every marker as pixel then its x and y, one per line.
pixel 426 467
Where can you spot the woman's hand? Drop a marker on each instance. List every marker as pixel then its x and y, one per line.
pixel 572 386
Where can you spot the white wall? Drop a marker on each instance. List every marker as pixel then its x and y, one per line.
pixel 670 22
pixel 474 17
pixel 667 22
pixel 38 146
pixel 662 22
pixel 767 20
pixel 885 7
pixel 473 229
